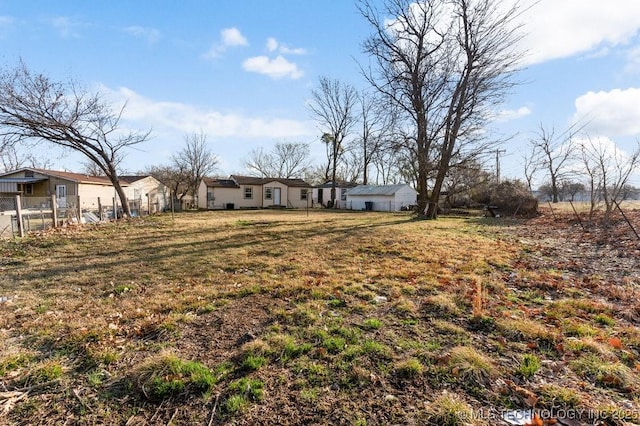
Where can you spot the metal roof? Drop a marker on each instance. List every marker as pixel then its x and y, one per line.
pixel 376 189
pixel 76 177
pixel 22 179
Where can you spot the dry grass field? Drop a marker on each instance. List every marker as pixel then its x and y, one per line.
pixel 279 317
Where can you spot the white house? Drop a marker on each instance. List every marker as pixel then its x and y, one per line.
pixel 322 194
pixel 146 193
pixel 243 192
pixel 385 198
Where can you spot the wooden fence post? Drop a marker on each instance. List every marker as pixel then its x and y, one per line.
pixel 54 209
pixel 100 215
pixel 19 214
pixel 79 210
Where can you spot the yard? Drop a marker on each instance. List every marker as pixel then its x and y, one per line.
pixel 279 317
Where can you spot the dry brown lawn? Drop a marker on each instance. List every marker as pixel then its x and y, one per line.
pixel 284 317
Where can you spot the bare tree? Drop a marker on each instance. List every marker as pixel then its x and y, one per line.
pixel 530 169
pixel 286 160
pixel 609 170
pixel 443 64
pixel 553 153
pixel 332 104
pixel 377 122
pixel 194 161
pixel 91 169
pixel 351 167
pixel 33 107
pixel 172 177
pixel 462 180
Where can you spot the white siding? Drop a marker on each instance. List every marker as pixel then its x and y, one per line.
pixel 405 196
pixel 326 196
pixel 381 203
pixel 151 193
pixel 402 198
pixel 284 197
pixel 295 198
pixel 203 202
pixel 218 198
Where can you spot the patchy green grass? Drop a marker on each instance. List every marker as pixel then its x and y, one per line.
pixel 253 317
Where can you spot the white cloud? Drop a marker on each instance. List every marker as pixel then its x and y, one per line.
pixel 175 117
pixel 66 27
pixel 233 37
pixel 512 114
pixel 272 44
pixel 231 134
pixel 558 29
pixel 292 50
pixel 229 37
pixel 152 35
pixel 274 68
pixel 613 113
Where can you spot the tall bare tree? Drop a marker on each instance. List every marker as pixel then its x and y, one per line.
pixel 377 124
pixel 444 64
pixel 608 170
pixel 553 154
pixel 34 107
pixel 195 161
pixel 333 105
pixel 286 160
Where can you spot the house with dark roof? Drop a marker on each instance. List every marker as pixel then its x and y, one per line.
pixel 322 194
pixel 245 192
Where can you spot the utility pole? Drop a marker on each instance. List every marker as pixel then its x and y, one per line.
pixel 498 152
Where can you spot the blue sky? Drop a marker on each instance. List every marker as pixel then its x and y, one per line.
pixel 241 71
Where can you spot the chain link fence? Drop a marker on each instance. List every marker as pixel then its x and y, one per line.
pixel 38 212
pixel 8 220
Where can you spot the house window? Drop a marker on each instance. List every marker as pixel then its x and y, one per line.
pixel 304 192
pixel 268 193
pixel 25 188
pixel 28 173
pixel 248 192
pixel 343 195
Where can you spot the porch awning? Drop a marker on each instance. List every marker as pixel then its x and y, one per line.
pixel 23 180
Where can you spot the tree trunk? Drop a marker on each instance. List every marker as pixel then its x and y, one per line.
pixel 113 177
pixel 333 173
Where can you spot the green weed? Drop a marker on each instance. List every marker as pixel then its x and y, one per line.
pixel 529 365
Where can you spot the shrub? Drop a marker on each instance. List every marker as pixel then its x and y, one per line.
pixel 510 196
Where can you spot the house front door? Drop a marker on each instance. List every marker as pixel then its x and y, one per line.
pixel 276 196
pixel 320 200
pixel 61 196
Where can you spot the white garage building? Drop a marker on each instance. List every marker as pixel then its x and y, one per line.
pixel 382 198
